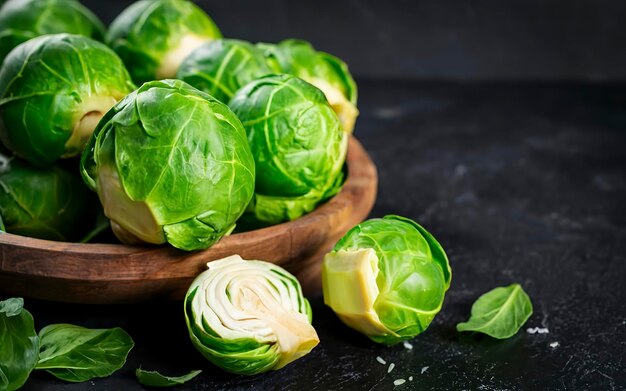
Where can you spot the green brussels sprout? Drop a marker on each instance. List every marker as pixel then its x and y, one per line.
pixel 298 147
pixel 154 36
pixel 223 66
pixel 324 71
pixel 21 20
pixel 170 164
pixel 386 278
pixel 47 203
pixel 53 91
pixel 248 317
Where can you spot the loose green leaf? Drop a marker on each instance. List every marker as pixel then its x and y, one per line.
pixel 76 354
pixel 500 312
pixel 155 379
pixel 19 344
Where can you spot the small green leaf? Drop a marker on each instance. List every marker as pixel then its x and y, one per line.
pixel 155 379
pixel 76 354
pixel 19 344
pixel 500 312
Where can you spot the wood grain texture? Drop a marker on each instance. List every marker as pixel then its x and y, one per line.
pixel 117 273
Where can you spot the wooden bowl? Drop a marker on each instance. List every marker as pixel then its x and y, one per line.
pixel 117 273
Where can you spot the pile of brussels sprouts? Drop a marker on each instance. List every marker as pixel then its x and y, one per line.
pixel 182 135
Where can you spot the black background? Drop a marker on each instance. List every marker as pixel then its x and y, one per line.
pixel 420 39
pixel 489 125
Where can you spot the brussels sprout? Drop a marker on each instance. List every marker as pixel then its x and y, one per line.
pixel 297 143
pixel 248 317
pixel 53 91
pixel 45 203
pixel 170 164
pixel 21 20
pixel 154 36
pixel 221 67
pixel 326 72
pixel 386 278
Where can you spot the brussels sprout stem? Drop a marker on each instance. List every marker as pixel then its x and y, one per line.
pixel 172 60
pixel 140 225
pixel 346 110
pixel 89 115
pixel 349 286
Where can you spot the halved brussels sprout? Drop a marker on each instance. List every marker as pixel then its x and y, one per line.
pixel 223 66
pixel 324 71
pixel 53 91
pixel 297 143
pixel 47 203
pixel 21 20
pixel 248 317
pixel 154 36
pixel 386 278
pixel 170 164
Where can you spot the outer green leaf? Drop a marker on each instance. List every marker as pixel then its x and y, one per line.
pixel 413 275
pixel 48 203
pixel 19 344
pixel 154 36
pixel 48 86
pixel 76 354
pixel 500 312
pixel 21 20
pixel 298 146
pixel 223 66
pixel 155 379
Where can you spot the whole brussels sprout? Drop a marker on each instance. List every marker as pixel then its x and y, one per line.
pixel 21 20
pixel 386 278
pixel 248 317
pixel 53 91
pixel 324 71
pixel 170 164
pixel 223 66
pixel 45 203
pixel 154 36
pixel 297 143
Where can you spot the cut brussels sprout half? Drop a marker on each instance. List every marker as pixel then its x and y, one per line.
pixel 21 20
pixel 53 91
pixel 223 66
pixel 326 72
pixel 386 278
pixel 248 317
pixel 47 203
pixel 154 36
pixel 170 164
pixel 298 147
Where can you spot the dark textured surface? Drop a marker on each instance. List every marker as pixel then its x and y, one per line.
pixel 421 39
pixel 520 183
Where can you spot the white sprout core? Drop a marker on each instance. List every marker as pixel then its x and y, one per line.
pixel 249 299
